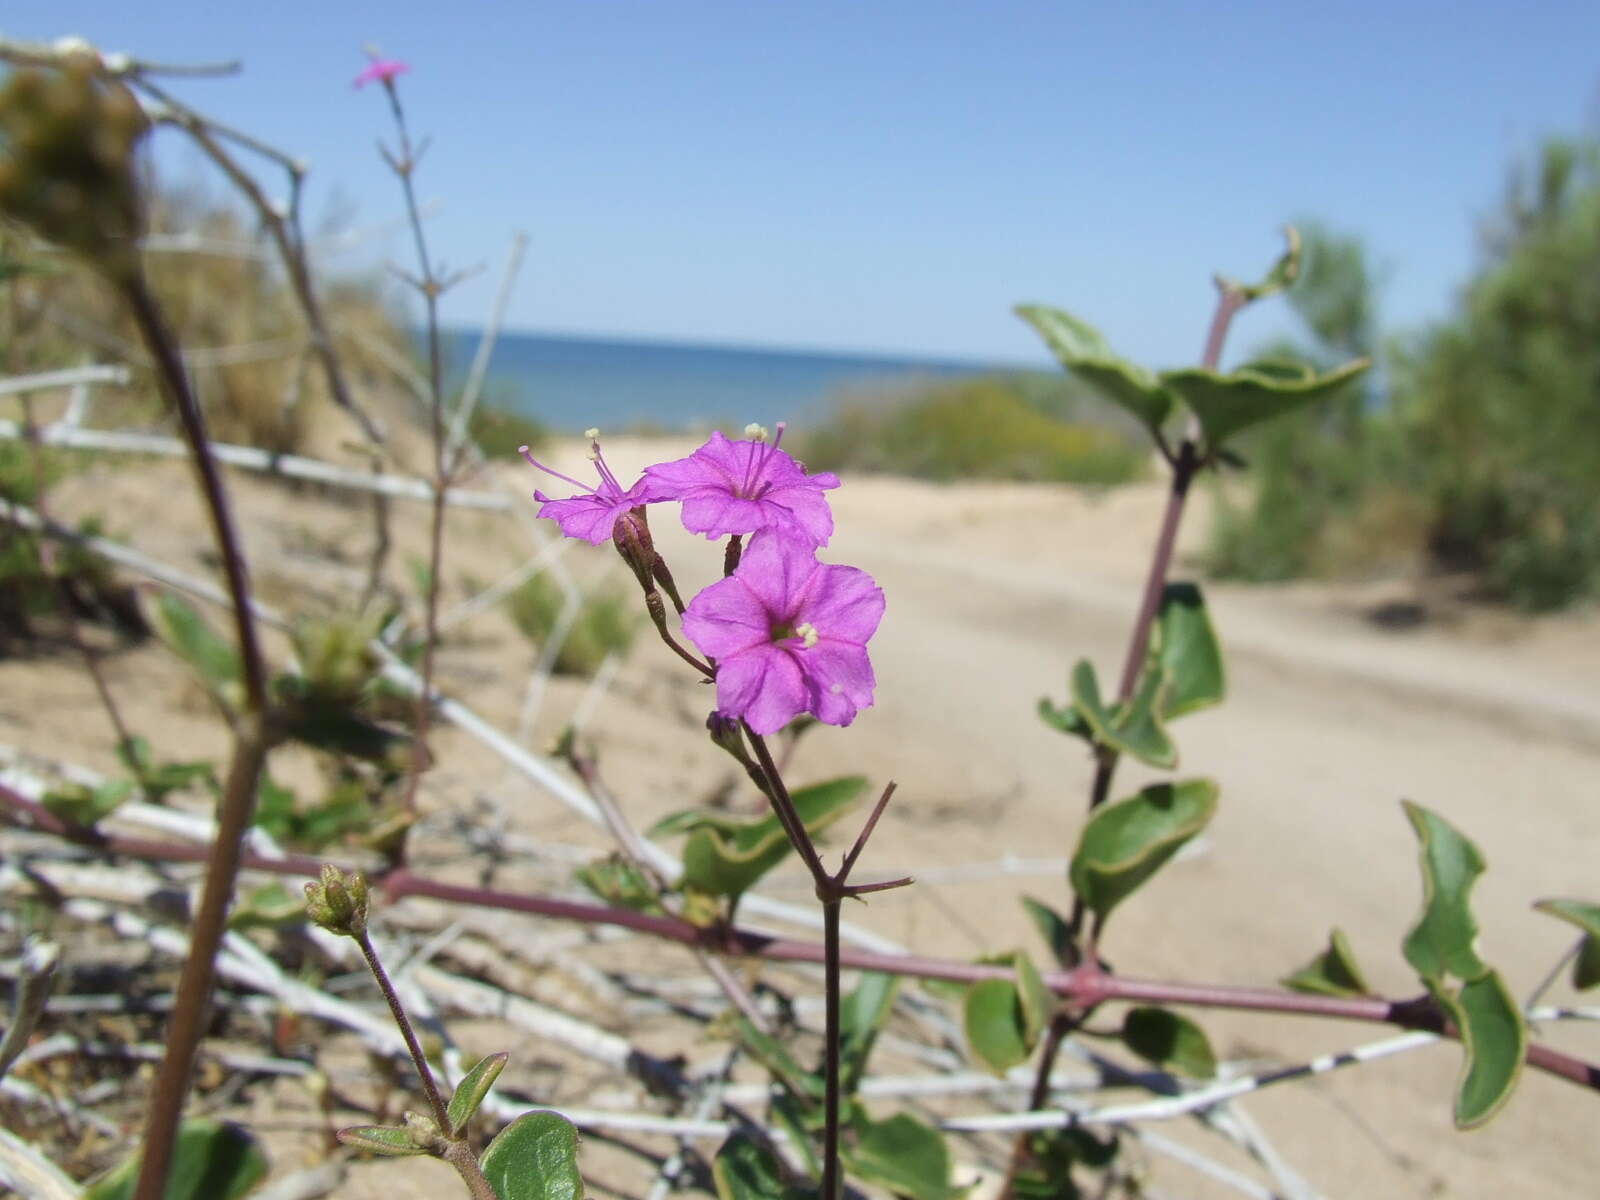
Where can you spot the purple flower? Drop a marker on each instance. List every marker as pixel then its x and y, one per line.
pixel 592 515
pixel 742 487
pixel 382 70
pixel 789 634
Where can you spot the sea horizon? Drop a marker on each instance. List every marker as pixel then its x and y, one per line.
pixel 571 382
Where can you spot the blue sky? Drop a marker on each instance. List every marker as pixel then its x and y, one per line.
pixel 895 176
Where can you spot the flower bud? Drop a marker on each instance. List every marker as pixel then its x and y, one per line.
pixel 631 537
pixel 339 902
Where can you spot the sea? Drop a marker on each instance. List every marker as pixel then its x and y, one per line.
pixel 571 383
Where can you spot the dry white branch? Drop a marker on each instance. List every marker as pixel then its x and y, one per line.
pixel 67 377
pixel 252 458
pixel 1168 1107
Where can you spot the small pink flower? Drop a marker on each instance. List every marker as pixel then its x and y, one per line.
pixel 789 635
pixel 741 487
pixel 591 515
pixel 381 70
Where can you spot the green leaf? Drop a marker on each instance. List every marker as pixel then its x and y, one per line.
pixel 156 780
pixel 724 858
pixel 905 1156
pixel 861 1014
pixel 1053 927
pixel 212 657
pixel 1134 728
pixel 801 1124
pixel 1170 1041
pixel 619 883
pixel 84 806
pixel 746 1170
pixel 534 1158
pixel 1067 719
pixel 995 1024
pixel 1443 941
pixel 269 906
pixel 1283 274
pixel 1082 350
pixel 211 1160
pixel 1225 404
pixel 1332 973
pixel 1038 1004
pixel 806 1086
pixel 1125 843
pixel 474 1086
pixel 390 1141
pixel 339 730
pixel 1586 967
pixel 1187 652
pixel 1494 1039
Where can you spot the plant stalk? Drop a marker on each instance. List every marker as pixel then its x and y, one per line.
pixel 832 1177
pixel 252 740
pixel 1185 465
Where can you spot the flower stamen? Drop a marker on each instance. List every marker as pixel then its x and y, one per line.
pixel 534 462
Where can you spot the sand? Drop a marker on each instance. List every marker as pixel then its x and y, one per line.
pixel 994 590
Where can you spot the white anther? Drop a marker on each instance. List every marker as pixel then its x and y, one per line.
pixel 807 633
pixel 591 433
pixel 756 433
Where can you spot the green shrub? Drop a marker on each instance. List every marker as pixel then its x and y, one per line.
pixel 986 427
pixel 499 432
pixel 605 624
pixel 1505 400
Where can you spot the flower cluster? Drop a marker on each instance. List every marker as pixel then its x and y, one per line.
pixel 785 634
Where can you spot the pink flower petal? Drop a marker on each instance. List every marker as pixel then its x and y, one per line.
pixel 842 603
pixel 777 569
pixel 764 686
pixel 839 679
pixel 726 619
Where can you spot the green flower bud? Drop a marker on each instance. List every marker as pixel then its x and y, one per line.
pixel 339 902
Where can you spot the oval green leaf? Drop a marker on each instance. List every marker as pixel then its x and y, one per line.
pixel 726 858
pixel 211 1160
pixel 1187 652
pixel 534 1158
pixel 1334 972
pixel 995 1024
pixel 391 1141
pixel 1081 349
pixel 1170 1041
pixel 1052 926
pixel 861 1014
pixel 1494 1039
pixel 1443 939
pixel 211 656
pixel 905 1156
pixel 746 1170
pixel 472 1089
pixel 1226 404
pixel 1586 967
pixel 1134 728
pixel 1125 843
